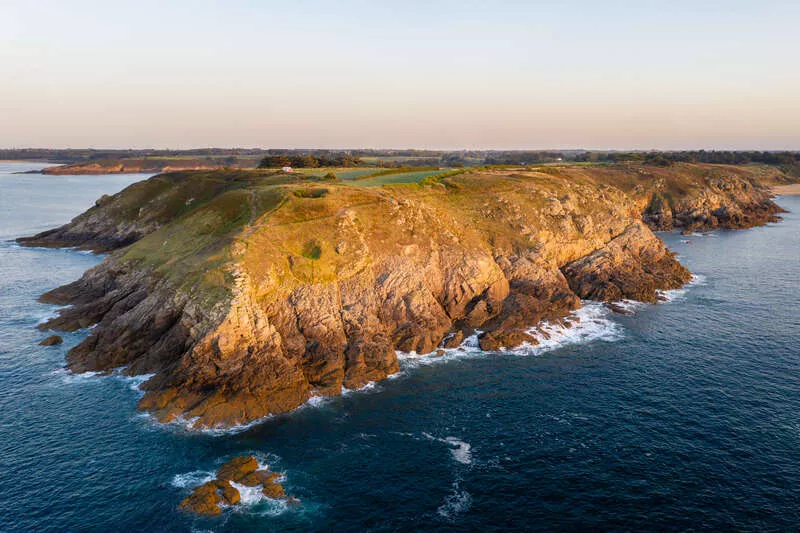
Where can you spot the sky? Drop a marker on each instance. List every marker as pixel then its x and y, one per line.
pixel 436 74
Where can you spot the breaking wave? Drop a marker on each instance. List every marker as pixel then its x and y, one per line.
pixel 458 501
pixel 190 480
pixel 460 451
pixel 590 323
pixel 680 294
pixel 134 382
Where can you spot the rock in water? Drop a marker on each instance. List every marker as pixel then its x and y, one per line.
pixel 203 500
pixel 237 468
pixel 274 491
pixel 52 340
pixel 206 499
pixel 230 495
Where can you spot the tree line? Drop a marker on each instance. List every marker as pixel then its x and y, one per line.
pixel 308 161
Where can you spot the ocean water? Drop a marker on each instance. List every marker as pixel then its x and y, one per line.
pixel 684 415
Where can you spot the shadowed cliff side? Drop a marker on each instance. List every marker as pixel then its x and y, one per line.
pixel 265 290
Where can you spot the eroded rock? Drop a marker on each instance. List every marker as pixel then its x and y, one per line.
pixel 52 340
pixel 206 499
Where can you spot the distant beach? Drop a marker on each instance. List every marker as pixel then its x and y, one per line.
pixel 792 190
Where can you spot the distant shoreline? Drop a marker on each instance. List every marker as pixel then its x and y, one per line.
pixel 787 190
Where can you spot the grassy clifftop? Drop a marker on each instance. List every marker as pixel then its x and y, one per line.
pixel 187 226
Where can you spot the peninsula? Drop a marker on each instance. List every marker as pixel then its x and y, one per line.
pixel 246 292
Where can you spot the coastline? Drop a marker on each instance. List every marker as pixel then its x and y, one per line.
pixel 290 370
pixel 786 190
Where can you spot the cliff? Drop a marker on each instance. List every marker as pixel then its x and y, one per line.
pixel 695 197
pixel 247 292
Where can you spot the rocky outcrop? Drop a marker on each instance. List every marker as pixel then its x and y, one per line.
pixel 635 266
pixel 271 291
pixel 695 197
pixel 52 340
pixel 207 499
pixel 121 219
pixel 727 202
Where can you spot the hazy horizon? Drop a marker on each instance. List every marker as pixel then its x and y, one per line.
pixel 430 75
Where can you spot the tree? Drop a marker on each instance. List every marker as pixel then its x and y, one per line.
pixel 275 161
pixel 312 251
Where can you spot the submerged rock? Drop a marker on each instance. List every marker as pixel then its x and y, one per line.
pixel 616 308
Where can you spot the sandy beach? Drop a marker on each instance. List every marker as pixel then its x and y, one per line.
pixel 793 189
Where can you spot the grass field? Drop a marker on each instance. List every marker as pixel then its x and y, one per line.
pixel 404 177
pixel 341 173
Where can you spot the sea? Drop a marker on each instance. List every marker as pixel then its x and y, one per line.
pixel 680 416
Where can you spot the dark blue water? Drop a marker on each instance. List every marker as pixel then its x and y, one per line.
pixel 685 415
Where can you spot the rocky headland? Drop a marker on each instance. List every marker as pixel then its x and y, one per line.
pixel 248 292
pixel 142 165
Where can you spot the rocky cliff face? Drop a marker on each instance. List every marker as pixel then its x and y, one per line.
pixel 694 197
pixel 268 290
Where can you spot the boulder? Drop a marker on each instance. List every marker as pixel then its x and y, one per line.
pixel 237 468
pixel 203 500
pixel 453 340
pixel 52 340
pixel 230 495
pixel 273 490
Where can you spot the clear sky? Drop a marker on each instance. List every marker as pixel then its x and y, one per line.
pixel 428 74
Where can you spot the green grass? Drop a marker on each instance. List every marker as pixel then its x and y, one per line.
pixel 341 173
pixel 399 177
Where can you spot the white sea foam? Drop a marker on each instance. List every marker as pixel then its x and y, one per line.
pixel 317 401
pixel 588 324
pixel 70 378
pixel 369 387
pixel 460 451
pixel 134 382
pixel 249 495
pixel 457 501
pixel 680 294
pixel 314 401
pixel 253 500
pixel 630 306
pixel 49 314
pixel 221 431
pixel 192 479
